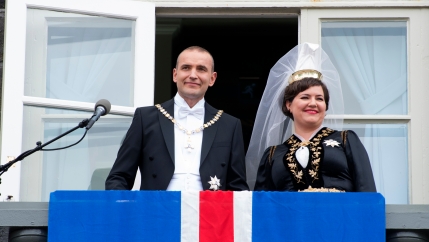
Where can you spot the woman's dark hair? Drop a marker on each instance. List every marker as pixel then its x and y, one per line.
pixel 299 86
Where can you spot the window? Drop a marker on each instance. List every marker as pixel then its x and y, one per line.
pixel 74 55
pixel 373 55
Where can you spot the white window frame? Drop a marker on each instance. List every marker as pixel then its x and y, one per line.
pixel 143 13
pixel 418 44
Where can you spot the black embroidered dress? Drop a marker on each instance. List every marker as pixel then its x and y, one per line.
pixel 332 164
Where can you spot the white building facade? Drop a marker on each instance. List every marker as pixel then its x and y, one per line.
pixel 63 56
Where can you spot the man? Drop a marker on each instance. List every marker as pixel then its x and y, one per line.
pixel 183 144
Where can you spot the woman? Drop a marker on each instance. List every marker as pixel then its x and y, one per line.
pixel 315 156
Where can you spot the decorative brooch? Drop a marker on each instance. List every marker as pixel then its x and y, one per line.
pixel 331 142
pixel 214 183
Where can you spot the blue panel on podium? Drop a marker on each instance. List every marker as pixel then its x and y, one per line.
pixel 271 216
pixel 114 216
pixel 315 216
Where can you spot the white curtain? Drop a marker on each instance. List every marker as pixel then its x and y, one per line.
pixel 73 168
pixel 371 58
pixel 86 61
pixel 372 61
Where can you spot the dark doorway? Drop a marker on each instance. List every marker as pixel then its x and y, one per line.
pixel 244 51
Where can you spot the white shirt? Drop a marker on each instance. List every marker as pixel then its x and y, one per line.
pixel 187 160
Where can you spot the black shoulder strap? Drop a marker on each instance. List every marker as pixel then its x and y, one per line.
pixel 344 137
pixel 270 156
pixel 349 158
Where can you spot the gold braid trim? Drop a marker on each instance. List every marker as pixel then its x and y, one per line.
pixel 322 189
pixel 314 146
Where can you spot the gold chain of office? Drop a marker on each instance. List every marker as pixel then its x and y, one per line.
pixel 189 132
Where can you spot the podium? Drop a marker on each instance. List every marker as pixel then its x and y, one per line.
pixel 215 216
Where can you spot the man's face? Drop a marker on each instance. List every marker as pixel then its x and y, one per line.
pixel 194 74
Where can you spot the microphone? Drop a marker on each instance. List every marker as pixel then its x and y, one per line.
pixel 102 107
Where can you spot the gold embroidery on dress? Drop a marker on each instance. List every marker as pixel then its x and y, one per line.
pixel 315 147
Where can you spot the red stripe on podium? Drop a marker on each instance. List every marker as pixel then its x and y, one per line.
pixel 216 216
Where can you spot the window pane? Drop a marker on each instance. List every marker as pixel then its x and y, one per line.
pixel 82 167
pixel 387 147
pixel 371 58
pixel 79 58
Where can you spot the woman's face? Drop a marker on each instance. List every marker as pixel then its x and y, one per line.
pixel 308 107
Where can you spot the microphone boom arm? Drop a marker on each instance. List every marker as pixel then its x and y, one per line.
pixel 5 167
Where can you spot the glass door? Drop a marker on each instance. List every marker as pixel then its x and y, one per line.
pixel 60 59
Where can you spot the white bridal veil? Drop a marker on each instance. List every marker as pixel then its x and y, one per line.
pixel 271 126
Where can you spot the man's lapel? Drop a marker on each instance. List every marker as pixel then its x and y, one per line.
pixel 167 127
pixel 209 133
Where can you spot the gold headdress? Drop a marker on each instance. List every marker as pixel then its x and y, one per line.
pixel 301 74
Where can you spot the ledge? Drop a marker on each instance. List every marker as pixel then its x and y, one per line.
pixel 407 216
pixel 35 214
pixel 24 214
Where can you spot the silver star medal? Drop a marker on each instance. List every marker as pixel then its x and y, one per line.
pixel 214 183
pixel 331 142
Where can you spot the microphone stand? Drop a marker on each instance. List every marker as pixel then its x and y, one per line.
pixel 5 167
